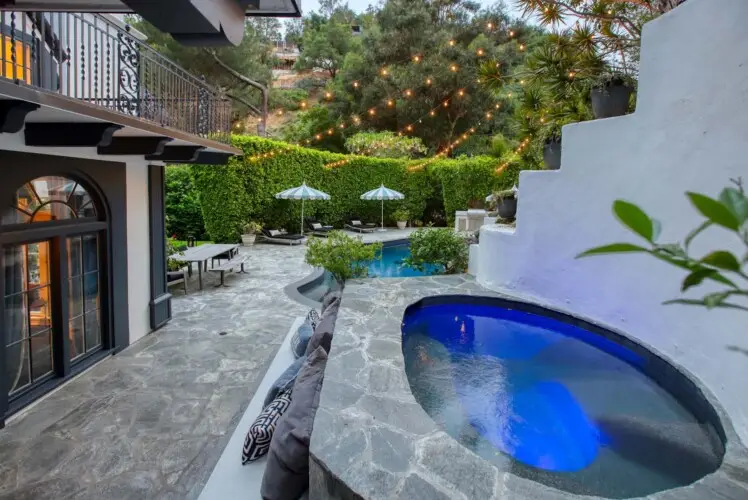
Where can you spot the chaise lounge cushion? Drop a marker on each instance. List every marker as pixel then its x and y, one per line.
pixel 284 383
pixel 257 441
pixel 324 331
pixel 287 471
pixel 300 338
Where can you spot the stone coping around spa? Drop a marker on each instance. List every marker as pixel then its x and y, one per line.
pixel 372 440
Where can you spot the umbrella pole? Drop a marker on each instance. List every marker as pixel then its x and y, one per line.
pixel 382 229
pixel 302 217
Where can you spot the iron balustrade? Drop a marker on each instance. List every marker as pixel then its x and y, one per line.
pixel 89 57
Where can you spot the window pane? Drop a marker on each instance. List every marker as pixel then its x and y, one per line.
pixel 74 256
pixel 53 210
pixel 75 296
pixel 38 264
pixel 16 318
pixel 81 202
pixel 91 291
pixel 76 337
pixel 15 269
pixel 17 365
pixel 53 188
pixel 93 333
pixel 41 354
pixel 90 253
pixel 40 314
pixel 14 216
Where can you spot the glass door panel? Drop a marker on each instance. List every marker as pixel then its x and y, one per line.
pixel 84 296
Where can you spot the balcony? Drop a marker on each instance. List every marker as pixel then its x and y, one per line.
pixel 98 61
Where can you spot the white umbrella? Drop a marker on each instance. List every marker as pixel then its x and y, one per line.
pixel 302 193
pixel 382 193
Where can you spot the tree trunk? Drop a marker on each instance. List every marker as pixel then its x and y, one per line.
pixel 250 82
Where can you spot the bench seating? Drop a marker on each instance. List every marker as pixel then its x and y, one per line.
pixel 230 265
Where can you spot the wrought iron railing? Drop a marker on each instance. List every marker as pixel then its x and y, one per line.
pixel 89 57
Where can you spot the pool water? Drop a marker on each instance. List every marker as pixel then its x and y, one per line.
pixel 552 402
pixel 389 265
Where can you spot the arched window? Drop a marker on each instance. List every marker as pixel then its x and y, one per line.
pixel 50 198
pixel 53 281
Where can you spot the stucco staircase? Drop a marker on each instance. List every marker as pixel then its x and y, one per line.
pixel 689 133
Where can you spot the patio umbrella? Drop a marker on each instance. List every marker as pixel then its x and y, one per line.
pixel 302 193
pixel 382 193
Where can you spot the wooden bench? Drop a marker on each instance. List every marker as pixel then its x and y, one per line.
pixel 229 265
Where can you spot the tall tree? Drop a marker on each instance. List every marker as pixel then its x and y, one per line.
pixel 325 47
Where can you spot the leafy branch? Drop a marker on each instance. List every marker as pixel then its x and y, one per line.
pixel 729 211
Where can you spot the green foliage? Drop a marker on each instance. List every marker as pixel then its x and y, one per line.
pixel 287 99
pixel 309 123
pixel 244 189
pixel 325 47
pixel 252 227
pixel 183 214
pixel 440 247
pixel 172 264
pixel 730 212
pixel 345 257
pixel 401 215
pixel 385 145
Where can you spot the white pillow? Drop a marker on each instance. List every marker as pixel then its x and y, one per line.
pixel 355 222
pixel 316 225
pixel 274 232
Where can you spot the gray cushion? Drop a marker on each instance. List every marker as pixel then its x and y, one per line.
pixel 328 299
pixel 287 471
pixel 300 339
pixel 257 441
pixel 284 383
pixel 325 328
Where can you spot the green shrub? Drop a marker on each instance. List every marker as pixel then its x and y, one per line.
pixel 440 247
pixel 183 214
pixel 345 257
pixel 401 215
pixel 245 188
pixel 287 99
pixel 385 145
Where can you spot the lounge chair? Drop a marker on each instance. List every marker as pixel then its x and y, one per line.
pixel 316 227
pixel 360 227
pixel 276 236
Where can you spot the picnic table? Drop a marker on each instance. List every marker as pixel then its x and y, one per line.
pixel 203 253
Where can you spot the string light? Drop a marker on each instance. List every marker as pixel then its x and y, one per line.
pixel 428 81
pixel 384 72
pixel 355 85
pixel 330 131
pixel 303 104
pixel 521 46
pixel 453 68
pixel 408 93
pixel 452 43
pixel 416 59
pixel 390 103
pixel 409 128
pixel 445 104
pixel 328 95
pixel 479 52
pixel 461 93
pixel 432 113
pixel 511 34
pixel 489 26
pixel 372 111
pixel 572 74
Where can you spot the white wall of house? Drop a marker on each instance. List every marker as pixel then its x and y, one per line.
pixel 689 133
pixel 138 239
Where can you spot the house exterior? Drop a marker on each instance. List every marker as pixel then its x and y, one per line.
pixel 89 117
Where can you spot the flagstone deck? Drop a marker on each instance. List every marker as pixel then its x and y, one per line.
pixel 151 422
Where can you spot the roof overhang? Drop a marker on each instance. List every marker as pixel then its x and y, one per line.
pixel 53 120
pixel 191 22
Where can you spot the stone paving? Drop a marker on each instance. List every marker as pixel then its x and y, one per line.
pixel 152 421
pixel 373 441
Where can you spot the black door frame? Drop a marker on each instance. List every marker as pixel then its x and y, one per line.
pixel 105 182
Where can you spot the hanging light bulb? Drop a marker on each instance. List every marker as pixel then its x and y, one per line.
pixel 460 92
pixel 497 106
pixel 489 26
pixel 302 104
pixel 453 68
pixel 428 81
pixel 328 95
pixel 342 125
pixel 409 128
pixel 452 43
pixel 521 46
pixel 572 74
pixel 330 132
pixel 318 136
pixel 445 104
pixel 416 59
pixel 384 72
pixel 390 103
pixel 355 85
pixel 479 52
pixel 511 34
pixel 432 113
pixel 372 112
pixel 488 115
pixel 408 93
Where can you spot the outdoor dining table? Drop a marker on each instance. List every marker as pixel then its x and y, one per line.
pixel 203 253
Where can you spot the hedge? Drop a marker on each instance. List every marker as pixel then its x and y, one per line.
pixel 245 188
pixel 184 215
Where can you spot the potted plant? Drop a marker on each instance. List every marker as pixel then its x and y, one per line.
pixel 401 216
pixel 611 94
pixel 251 229
pixel 552 152
pixel 506 203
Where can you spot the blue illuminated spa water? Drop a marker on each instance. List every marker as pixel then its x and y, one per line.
pixel 551 401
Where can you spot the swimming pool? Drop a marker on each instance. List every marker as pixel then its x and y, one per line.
pixel 389 265
pixel 553 401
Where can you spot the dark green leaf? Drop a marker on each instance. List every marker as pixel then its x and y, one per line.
pixel 736 202
pixel 634 218
pixel 714 211
pixel 695 278
pixel 612 248
pixel 688 302
pixel 695 232
pixel 722 260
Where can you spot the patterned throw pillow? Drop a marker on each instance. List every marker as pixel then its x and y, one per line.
pixel 312 318
pixel 260 433
pixel 300 338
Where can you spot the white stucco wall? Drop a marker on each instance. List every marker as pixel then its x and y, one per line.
pixel 689 133
pixel 138 239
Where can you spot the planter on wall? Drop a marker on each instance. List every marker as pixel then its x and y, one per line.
pixel 611 100
pixel 248 239
pixel 507 208
pixel 552 154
